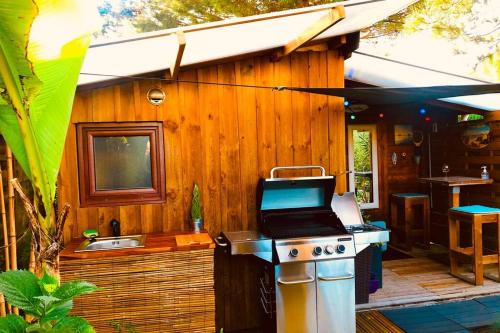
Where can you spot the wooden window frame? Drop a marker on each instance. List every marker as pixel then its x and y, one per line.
pixel 89 196
pixel 375 204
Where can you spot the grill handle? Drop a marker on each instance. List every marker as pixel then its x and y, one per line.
pixel 336 278
pixel 309 279
pixel 298 167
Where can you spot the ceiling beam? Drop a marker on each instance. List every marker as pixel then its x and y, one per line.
pixel 175 65
pixel 333 16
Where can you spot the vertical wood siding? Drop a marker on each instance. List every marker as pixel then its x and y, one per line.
pixel 224 138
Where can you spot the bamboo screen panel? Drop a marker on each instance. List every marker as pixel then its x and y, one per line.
pixel 161 292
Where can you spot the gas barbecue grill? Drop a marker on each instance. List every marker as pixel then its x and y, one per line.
pixel 308 238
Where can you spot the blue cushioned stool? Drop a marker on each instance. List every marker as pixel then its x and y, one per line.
pixel 405 229
pixel 474 216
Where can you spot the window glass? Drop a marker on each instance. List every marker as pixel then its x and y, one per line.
pixel 122 162
pixel 469 117
pixel 363 173
pixel 363 178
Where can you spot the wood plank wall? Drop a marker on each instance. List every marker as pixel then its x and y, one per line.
pixel 223 138
pixel 448 148
pixel 402 177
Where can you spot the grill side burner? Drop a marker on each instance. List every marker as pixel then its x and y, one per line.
pixel 308 253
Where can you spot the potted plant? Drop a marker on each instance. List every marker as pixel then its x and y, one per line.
pixel 196 210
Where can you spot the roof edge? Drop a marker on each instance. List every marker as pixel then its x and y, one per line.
pixel 233 21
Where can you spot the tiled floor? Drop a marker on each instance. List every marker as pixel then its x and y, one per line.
pixel 482 313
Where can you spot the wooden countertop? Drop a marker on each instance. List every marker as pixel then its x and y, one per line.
pixel 155 243
pixel 456 181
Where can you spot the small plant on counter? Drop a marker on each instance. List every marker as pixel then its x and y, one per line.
pixel 196 209
pixel 46 303
pixel 196 203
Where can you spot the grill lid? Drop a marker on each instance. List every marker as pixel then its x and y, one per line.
pixel 297 207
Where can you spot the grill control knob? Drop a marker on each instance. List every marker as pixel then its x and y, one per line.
pixel 294 252
pixel 317 251
pixel 329 249
pixel 340 249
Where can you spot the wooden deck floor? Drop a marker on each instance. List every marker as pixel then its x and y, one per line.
pixel 374 322
pixel 422 280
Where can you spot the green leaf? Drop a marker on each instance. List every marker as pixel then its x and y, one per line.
pixel 20 289
pixel 48 284
pixel 42 45
pixel 47 300
pixel 12 324
pixel 13 39
pixel 39 328
pixel 57 311
pixel 73 289
pixel 73 325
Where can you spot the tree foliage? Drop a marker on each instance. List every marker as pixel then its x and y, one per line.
pixel 465 24
pixel 152 15
pixel 42 45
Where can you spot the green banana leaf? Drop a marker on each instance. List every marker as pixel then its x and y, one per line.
pixel 42 46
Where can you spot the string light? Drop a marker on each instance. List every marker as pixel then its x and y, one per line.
pixel 346 103
pixel 428 119
pixel 353 117
pixel 422 111
pixel 381 115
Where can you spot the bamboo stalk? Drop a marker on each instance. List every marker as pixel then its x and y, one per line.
pixel 12 216
pixel 5 239
pixel 4 223
pixel 32 259
pixel 32 270
pixel 3 313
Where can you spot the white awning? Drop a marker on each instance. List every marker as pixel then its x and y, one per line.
pixel 150 52
pixel 388 73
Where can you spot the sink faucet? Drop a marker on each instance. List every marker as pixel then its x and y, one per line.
pixel 115 227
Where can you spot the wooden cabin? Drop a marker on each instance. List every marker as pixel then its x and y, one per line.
pixel 203 98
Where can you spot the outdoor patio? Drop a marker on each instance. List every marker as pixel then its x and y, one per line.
pixel 249 166
pixel 421 280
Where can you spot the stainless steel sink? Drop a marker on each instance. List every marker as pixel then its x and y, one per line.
pixel 112 243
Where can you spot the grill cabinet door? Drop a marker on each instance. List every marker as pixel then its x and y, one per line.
pixel 336 297
pixel 296 298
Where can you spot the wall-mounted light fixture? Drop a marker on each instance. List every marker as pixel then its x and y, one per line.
pixel 156 96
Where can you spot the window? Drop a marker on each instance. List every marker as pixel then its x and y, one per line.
pixel 469 117
pixel 363 180
pixel 120 163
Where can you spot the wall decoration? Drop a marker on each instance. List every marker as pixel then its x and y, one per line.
pixel 418 139
pixel 403 134
pixel 394 158
pixel 476 136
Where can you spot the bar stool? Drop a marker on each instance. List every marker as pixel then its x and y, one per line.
pixel 410 202
pixel 476 216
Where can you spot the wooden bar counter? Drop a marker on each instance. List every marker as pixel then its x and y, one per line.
pixel 162 287
pixel 454 183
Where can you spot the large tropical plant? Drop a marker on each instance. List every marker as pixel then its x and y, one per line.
pixel 47 303
pixel 42 46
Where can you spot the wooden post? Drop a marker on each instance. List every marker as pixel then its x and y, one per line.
pixel 12 217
